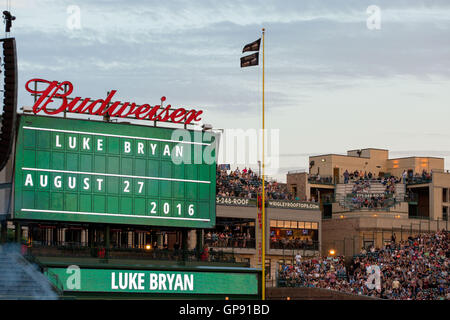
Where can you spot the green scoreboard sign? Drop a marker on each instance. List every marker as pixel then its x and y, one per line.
pixel 150 281
pixel 92 171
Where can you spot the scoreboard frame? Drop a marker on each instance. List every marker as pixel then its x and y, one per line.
pixel 88 171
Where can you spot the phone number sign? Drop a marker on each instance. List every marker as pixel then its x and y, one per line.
pixel 90 171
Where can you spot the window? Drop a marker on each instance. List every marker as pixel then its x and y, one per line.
pixel 288 234
pixel 445 213
pixel 232 232
pixel 445 195
pixel 368 244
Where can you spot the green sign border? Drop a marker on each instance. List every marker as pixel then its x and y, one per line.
pixel 100 280
pixel 202 220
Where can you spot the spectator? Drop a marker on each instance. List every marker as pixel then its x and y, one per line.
pixel 415 269
pixel 247 184
pixel 346 176
pixel 205 253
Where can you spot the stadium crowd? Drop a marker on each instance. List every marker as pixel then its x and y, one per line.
pixel 405 177
pixel 416 269
pixel 295 243
pixel 246 183
pixel 362 198
pixel 228 238
pixel 372 202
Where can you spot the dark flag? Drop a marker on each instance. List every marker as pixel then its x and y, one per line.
pixel 254 46
pixel 250 60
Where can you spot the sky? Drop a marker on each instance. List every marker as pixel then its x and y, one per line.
pixel 338 76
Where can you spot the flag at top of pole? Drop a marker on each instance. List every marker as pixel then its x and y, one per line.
pixel 254 46
pixel 251 59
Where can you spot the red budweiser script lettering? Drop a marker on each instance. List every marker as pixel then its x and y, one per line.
pixel 101 107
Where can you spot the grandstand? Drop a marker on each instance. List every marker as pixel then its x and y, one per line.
pixel 366 198
pixel 247 184
pixel 414 269
pixel 345 192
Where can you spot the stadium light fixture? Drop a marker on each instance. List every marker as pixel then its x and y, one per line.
pixel 206 127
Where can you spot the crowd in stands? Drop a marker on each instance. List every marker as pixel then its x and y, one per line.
pixel 357 176
pixel 389 183
pixel 425 176
pixel 405 177
pixel 247 184
pixel 415 269
pixel 364 185
pixel 372 202
pixel 228 238
pixel 296 244
pixel 361 196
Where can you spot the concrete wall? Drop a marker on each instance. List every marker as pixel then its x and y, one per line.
pixel 418 164
pixel 311 294
pixel 300 181
pixel 372 160
pixel 441 180
pixel 347 235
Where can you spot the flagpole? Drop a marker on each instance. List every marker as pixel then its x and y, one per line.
pixel 263 187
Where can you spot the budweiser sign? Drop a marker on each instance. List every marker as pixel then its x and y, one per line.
pixel 101 107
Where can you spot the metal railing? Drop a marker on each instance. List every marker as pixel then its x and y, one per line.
pixel 327 198
pixel 235 242
pixel 297 171
pixel 351 245
pixel 371 205
pixel 300 282
pixel 411 197
pixel 294 245
pixel 418 180
pixel 54 279
pixel 100 252
pixel 320 180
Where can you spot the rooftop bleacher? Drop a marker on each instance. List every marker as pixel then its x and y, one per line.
pixel 247 184
pixel 374 194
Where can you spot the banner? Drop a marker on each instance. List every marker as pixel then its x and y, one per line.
pixel 150 281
